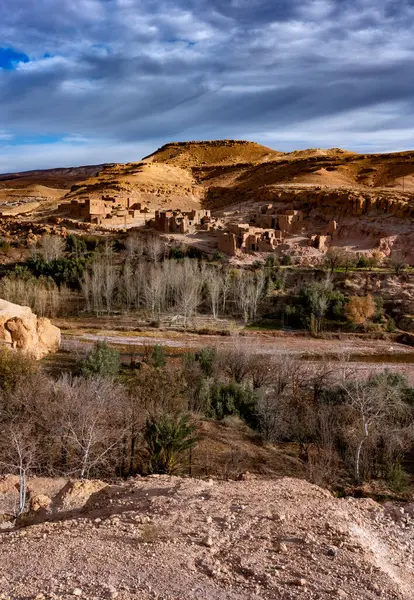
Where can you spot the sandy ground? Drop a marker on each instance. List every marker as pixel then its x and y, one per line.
pixel 168 538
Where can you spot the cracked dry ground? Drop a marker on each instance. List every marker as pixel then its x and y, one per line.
pixel 171 538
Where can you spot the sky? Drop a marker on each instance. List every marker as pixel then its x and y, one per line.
pixel 92 81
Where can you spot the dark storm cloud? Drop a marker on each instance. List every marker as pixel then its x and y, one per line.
pixel 122 76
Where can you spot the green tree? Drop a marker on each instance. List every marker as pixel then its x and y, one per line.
pixel 167 438
pixel 207 360
pixel 101 360
pixel 158 357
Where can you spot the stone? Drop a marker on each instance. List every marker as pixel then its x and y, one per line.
pixel 77 592
pixel 21 329
pixel 39 502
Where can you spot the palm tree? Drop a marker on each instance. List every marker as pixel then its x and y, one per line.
pixel 167 438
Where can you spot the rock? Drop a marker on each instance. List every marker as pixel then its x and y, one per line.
pixel 76 494
pixel 332 552
pixel 77 592
pixel 207 541
pixel 21 329
pixel 300 582
pixel 38 502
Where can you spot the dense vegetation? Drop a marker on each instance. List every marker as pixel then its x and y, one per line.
pixel 146 276
pixel 107 420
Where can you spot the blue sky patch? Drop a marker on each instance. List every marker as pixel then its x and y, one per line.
pixel 10 58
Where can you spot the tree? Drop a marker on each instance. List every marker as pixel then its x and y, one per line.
pixel 167 438
pixel 91 423
pixel 52 247
pixel 315 300
pixel 18 454
pixel 101 360
pixel 359 309
pixel 334 258
pixel 376 405
pixel 397 262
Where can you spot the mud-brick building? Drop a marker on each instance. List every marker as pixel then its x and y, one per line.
pixel 242 237
pixel 175 221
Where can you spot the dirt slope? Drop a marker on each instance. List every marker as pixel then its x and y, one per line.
pixel 155 185
pixel 181 539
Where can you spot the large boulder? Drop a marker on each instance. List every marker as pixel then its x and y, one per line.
pixel 21 329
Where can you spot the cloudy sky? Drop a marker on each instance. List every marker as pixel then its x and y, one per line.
pixel 91 81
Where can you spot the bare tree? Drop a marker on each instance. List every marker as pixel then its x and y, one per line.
pixel 214 285
pixel 154 290
pixel 155 248
pixel 188 288
pixel 51 247
pixel 250 290
pixel 18 454
pixel 91 420
pixel 334 258
pixel 134 246
pixel 374 405
pixel 235 360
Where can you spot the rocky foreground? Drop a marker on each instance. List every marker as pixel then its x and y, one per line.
pixel 177 539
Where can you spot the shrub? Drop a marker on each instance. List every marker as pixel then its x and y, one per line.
pixel 167 439
pixel 218 256
pixel 207 358
pixel 15 367
pixel 232 399
pixel 286 260
pixel 158 356
pixel 101 360
pixel 359 309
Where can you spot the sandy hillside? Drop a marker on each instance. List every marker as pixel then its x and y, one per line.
pixel 218 152
pixel 155 185
pixel 168 538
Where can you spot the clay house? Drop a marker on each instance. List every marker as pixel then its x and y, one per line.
pixel 244 238
pixel 175 221
pixel 288 222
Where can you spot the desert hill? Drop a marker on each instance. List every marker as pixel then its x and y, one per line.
pixel 169 538
pixel 48 185
pixel 188 155
pixel 222 173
